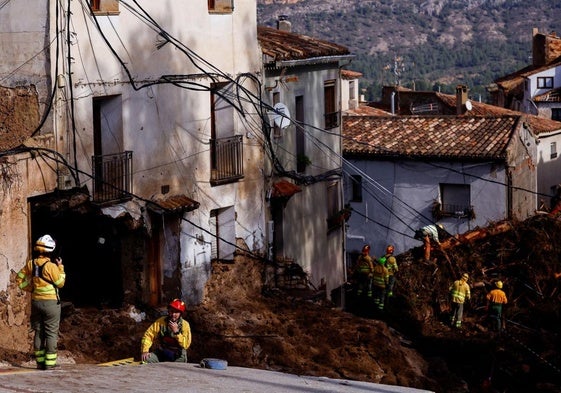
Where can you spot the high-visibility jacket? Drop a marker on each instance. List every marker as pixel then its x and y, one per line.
pixel 161 336
pixel 459 291
pixel 497 296
pixel 42 278
pixel 391 264
pixel 380 276
pixel 364 264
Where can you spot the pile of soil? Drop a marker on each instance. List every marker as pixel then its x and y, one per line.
pixel 409 344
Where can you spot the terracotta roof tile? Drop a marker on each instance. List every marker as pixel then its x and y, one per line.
pixel 364 110
pixel 349 74
pixel 282 45
pixel 458 137
pixel 173 204
pixel 447 106
pixel 553 95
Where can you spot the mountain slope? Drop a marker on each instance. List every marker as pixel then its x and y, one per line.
pixel 433 44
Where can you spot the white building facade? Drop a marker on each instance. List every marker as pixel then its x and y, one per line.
pixel 148 114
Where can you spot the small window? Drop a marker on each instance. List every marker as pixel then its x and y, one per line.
pixel 332 205
pixel 456 201
pixel 553 150
pixel 356 184
pixel 556 114
pixel 105 7
pixel 330 104
pixel 352 94
pixel 545 82
pixel 221 6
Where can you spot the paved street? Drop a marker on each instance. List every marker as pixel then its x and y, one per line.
pixel 176 377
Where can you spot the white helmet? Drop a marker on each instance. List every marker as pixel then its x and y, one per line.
pixel 45 244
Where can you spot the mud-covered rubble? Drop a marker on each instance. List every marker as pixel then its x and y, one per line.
pixel 410 344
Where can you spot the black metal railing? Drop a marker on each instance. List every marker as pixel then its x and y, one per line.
pixel 227 159
pixel 459 211
pixel 112 174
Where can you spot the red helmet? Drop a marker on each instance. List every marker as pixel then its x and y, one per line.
pixel 366 248
pixel 177 304
pixel 389 249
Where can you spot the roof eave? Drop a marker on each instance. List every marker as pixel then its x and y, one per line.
pixel 419 157
pixel 311 61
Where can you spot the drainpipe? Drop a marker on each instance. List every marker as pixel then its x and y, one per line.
pixel 393 102
pixel 509 192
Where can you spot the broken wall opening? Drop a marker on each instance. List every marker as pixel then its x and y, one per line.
pixel 93 246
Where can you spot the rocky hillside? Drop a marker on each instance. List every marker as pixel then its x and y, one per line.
pixel 426 44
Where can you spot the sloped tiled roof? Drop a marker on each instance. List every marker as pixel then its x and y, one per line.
pixel 553 95
pixel 364 110
pixel 538 125
pixel 349 74
pixel 280 45
pixel 440 137
pixel 173 204
pixel 447 103
pixel 514 82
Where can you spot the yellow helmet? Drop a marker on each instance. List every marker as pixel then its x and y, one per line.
pixel 465 276
pixel 499 284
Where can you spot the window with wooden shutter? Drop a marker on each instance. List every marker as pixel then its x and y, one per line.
pixel 330 104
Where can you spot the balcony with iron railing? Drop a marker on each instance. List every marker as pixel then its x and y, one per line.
pixel 112 177
pixel 440 211
pixel 226 159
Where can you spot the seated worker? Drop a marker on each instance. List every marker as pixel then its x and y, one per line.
pixel 169 337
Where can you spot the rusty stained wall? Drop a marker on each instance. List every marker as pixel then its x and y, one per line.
pixel 522 160
pixel 20 177
pixel 19 115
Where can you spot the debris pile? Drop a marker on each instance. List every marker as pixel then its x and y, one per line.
pixel 410 344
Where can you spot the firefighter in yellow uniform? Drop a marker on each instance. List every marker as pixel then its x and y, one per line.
pixel 169 337
pixel 391 265
pixel 380 276
pixel 363 272
pixel 43 276
pixel 459 293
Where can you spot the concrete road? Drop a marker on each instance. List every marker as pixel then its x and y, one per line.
pixel 175 377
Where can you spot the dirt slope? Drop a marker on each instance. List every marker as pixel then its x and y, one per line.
pixel 410 344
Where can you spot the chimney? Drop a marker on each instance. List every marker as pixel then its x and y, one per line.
pixel 461 99
pixel 284 24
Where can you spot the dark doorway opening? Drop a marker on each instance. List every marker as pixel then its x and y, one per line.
pixel 87 241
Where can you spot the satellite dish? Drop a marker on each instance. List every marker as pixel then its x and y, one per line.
pixel 469 105
pixel 281 118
